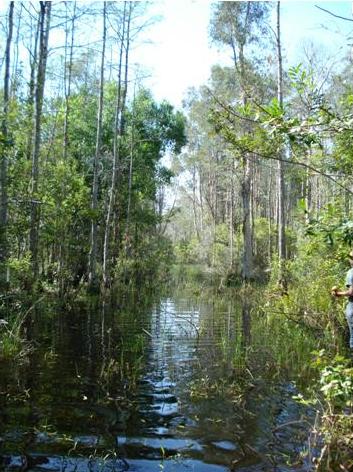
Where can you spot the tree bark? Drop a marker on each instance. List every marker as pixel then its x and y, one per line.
pixel 68 87
pixel 15 71
pixel 247 227
pixel 118 132
pixel 247 269
pixel 281 185
pixel 92 277
pixel 4 158
pixel 231 221
pixel 45 9
pixel 31 93
pixel 132 137
pixel 194 202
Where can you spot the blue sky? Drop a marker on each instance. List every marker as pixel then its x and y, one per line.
pixel 180 54
pixel 176 52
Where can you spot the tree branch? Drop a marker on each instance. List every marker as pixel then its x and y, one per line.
pixel 298 163
pixel 333 14
pixel 229 109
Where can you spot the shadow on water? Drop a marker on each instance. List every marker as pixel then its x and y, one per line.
pixel 165 387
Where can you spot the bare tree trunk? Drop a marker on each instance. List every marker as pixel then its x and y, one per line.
pixel 247 270
pixel 118 131
pixel 4 158
pixel 346 200
pixel 94 199
pixel 194 201
pixel 32 84
pixel 68 87
pixel 247 227
pixel 45 9
pixel 270 216
pixel 127 237
pixel 201 201
pixel 231 221
pixel 308 190
pixel 281 186
pixel 15 72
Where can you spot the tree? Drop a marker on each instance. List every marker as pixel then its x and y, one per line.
pixel 281 183
pixel 67 76
pixel 5 148
pixel 94 199
pixel 44 26
pixel 236 24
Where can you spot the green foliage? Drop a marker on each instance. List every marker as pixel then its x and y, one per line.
pixel 333 435
pixel 12 344
pixel 337 383
pixel 186 251
pixel 147 262
pixel 332 227
pixel 64 187
pixel 238 22
pixel 308 302
pixel 20 271
pixel 219 252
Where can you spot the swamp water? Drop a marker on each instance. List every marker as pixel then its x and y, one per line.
pixel 187 384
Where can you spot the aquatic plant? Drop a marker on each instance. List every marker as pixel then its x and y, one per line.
pixel 331 438
pixel 12 344
pixel 336 422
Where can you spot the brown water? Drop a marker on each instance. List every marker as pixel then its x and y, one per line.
pixel 147 388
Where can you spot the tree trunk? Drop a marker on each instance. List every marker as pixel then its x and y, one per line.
pixel 269 215
pixel 45 9
pixel 247 269
pixel 68 87
pixel 247 228
pixel 231 221
pixel 30 99
pixel 94 199
pixel 194 202
pixel 201 200
pixel 15 71
pixel 118 132
pixel 281 186
pixel 5 149
pixel 132 136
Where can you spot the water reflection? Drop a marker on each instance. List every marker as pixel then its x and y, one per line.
pixel 145 388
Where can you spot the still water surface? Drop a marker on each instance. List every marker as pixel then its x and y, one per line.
pixel 148 389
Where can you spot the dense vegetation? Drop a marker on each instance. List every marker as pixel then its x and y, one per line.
pixel 81 178
pixel 267 174
pixel 268 198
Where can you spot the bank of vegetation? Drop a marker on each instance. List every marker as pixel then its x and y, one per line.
pixel 82 142
pixel 266 192
pixel 266 195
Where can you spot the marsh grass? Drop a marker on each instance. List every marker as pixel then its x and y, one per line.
pixel 12 344
pixel 332 434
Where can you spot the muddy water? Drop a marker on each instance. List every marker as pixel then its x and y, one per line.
pixel 180 385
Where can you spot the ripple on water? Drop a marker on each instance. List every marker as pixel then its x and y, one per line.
pixel 39 463
pixel 161 428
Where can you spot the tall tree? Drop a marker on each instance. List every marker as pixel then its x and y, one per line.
pixel 132 143
pixel 236 24
pixel 118 132
pixel 95 183
pixel 281 183
pixel 33 53
pixel 5 145
pixel 67 76
pixel 44 27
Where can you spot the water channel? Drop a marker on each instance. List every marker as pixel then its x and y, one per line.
pixel 174 386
